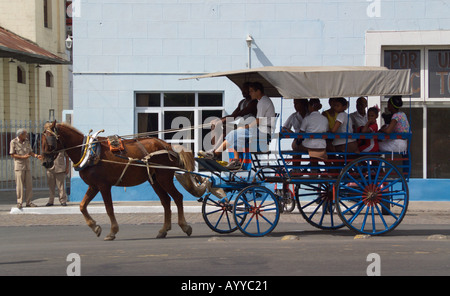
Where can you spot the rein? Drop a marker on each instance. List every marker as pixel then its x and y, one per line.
pixel 131 136
pixel 150 165
pixel 91 140
pixel 146 164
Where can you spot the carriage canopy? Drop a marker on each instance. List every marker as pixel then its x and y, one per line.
pixel 322 82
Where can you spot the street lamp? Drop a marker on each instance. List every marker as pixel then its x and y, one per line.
pixel 249 41
pixel 69 42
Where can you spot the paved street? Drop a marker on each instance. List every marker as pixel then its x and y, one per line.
pixel 39 244
pixel 43 250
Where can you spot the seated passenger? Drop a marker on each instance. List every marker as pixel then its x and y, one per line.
pixel 369 145
pixel 359 117
pixel 246 108
pixel 257 133
pixel 341 126
pixel 330 114
pixel 398 124
pixel 314 123
pixel 294 121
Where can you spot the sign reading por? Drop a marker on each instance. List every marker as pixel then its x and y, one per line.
pixel 405 59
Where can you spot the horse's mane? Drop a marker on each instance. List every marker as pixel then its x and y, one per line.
pixel 69 126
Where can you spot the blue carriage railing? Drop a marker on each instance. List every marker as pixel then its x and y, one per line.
pixel 294 166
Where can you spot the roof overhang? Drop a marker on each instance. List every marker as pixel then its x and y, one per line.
pixel 322 82
pixel 15 47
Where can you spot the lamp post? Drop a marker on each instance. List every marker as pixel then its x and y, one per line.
pixel 249 41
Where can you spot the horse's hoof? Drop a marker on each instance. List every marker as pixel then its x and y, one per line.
pixel 161 235
pixel 188 230
pixel 109 237
pixel 98 230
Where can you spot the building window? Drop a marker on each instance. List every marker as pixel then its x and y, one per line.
pixel 406 59
pixel 438 141
pixel 439 74
pixel 163 114
pixel 430 106
pixel 48 79
pixel 21 78
pixel 47 14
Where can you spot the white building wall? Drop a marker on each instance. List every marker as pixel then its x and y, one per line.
pixel 122 46
pixel 146 45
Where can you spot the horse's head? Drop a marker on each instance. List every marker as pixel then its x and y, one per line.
pixel 50 144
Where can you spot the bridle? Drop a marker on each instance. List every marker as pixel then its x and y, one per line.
pixel 52 140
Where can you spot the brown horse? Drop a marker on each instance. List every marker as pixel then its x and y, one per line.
pixel 112 170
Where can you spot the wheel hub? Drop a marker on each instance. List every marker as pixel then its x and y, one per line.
pixel 226 207
pixel 326 194
pixel 371 195
pixel 255 210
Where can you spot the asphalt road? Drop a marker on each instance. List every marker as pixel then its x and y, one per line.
pixel 62 244
pixel 292 250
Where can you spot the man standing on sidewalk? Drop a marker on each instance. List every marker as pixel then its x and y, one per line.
pixel 20 150
pixel 56 176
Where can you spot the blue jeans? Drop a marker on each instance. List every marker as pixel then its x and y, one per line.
pixel 251 138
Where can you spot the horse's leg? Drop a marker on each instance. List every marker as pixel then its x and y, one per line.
pixel 107 199
pixel 90 194
pixel 169 187
pixel 165 202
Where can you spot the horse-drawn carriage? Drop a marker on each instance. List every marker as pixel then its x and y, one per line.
pixel 367 192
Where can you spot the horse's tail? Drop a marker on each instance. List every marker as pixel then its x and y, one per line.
pixel 193 183
pixel 186 160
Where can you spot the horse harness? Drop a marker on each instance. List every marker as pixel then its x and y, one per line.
pixel 90 154
pixel 145 160
pixel 92 148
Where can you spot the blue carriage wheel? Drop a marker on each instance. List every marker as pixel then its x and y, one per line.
pixel 317 207
pixel 371 195
pixel 256 211
pixel 218 212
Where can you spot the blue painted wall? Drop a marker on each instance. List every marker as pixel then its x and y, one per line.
pixel 146 45
pixel 419 190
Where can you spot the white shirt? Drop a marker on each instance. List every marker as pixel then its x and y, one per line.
pixel 358 120
pixel 294 122
pixel 265 110
pixel 314 123
pixel 342 118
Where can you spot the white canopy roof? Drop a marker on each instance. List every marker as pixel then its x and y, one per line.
pixel 322 82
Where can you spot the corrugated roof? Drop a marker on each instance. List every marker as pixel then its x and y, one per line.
pixel 19 48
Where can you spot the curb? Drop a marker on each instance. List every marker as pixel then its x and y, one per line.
pixel 189 207
pixel 99 210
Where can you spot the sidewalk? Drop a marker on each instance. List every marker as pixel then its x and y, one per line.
pixel 40 198
pixel 144 212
